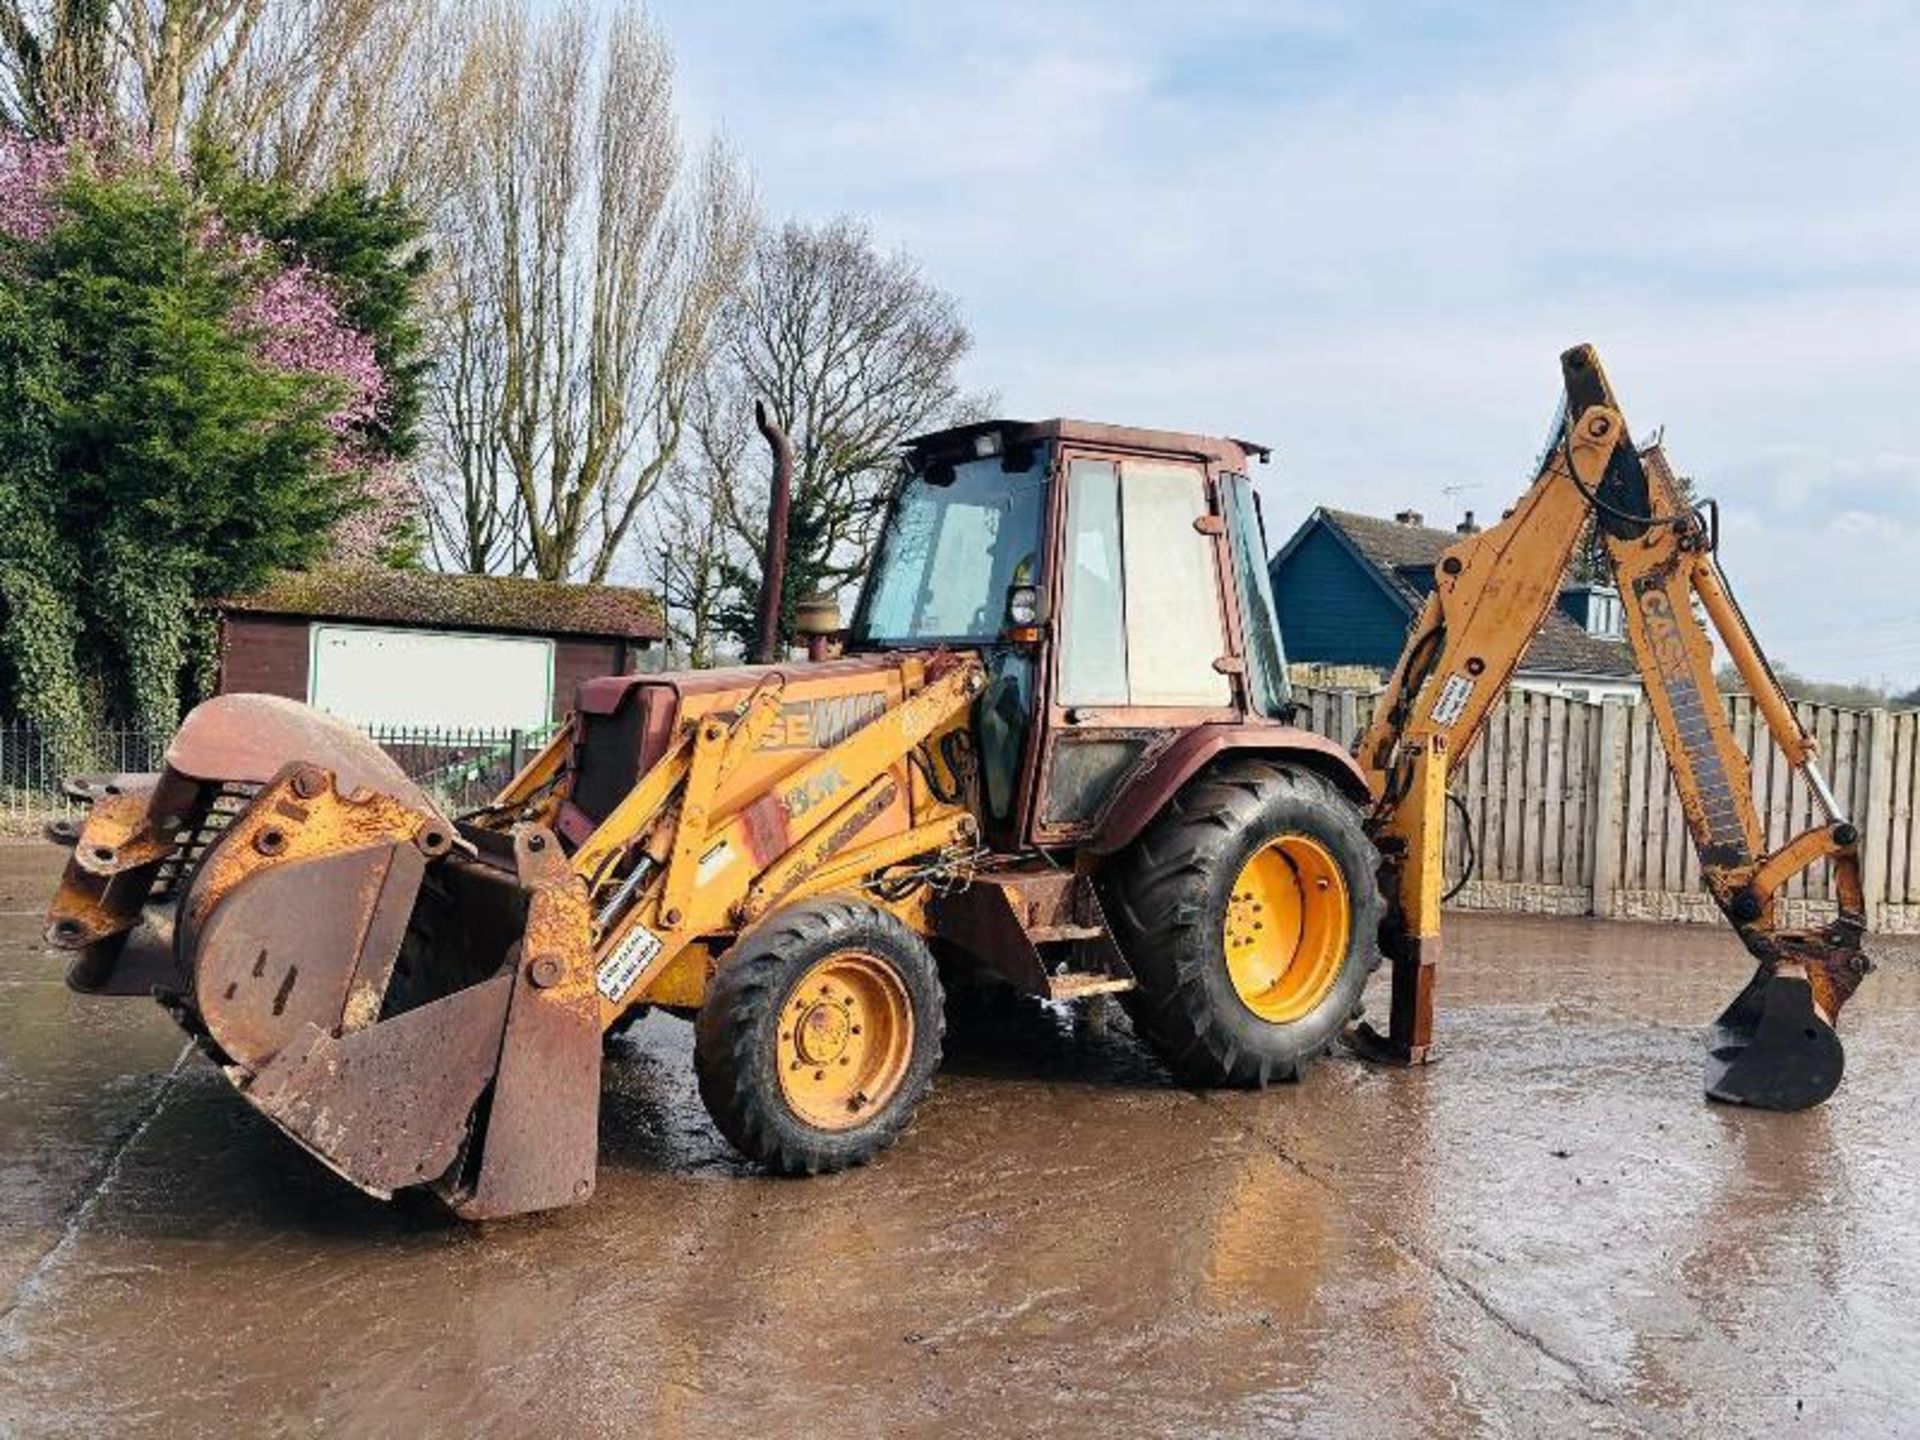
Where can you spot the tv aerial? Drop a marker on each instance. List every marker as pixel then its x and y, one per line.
pixel 1454 492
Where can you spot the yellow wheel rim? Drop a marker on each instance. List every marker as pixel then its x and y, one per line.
pixel 846 1036
pixel 1286 930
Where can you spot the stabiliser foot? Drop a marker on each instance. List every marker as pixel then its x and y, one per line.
pixel 1368 1044
pixel 1770 1049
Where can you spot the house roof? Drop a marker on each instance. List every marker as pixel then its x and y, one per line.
pixel 427 598
pixel 1396 553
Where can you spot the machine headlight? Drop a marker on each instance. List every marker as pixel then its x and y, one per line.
pixel 1023 605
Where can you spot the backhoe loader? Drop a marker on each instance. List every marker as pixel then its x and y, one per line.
pixel 1056 754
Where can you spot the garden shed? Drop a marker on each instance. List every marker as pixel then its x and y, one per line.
pixel 415 648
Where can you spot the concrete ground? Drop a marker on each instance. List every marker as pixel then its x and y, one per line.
pixel 1549 1232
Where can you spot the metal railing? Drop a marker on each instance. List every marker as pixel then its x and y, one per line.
pixel 461 767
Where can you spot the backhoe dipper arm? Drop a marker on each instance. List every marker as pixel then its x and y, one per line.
pixel 1774 1046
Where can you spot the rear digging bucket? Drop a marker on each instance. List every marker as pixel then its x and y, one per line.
pixel 1771 1049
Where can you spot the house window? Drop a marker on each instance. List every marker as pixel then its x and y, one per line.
pixel 1604 615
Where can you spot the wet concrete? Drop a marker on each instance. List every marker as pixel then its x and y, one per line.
pixel 1550 1231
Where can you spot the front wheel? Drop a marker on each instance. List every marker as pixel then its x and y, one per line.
pixel 1249 911
pixel 819 1036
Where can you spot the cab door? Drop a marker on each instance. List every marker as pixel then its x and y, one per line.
pixel 1141 647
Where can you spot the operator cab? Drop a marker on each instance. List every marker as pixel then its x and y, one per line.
pixel 1116 581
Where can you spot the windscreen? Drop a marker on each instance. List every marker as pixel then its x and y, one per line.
pixel 951 550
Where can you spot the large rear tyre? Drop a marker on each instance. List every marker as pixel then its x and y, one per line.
pixel 1249 911
pixel 819 1036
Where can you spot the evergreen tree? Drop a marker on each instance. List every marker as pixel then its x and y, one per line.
pixel 178 408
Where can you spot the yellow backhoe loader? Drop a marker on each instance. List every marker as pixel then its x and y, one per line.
pixel 1056 753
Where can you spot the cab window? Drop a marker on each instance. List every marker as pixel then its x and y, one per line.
pixel 956 539
pixel 1141 622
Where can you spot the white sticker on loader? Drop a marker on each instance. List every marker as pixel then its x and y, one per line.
pixel 712 863
pixel 1453 699
pixel 629 958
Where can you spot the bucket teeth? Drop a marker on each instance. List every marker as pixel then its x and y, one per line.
pixel 1771 1049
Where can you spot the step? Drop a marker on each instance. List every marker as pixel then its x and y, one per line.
pixel 1050 934
pixel 1078 984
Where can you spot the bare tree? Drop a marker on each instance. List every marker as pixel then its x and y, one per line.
pixel 305 91
pixel 473 515
pixel 855 351
pixel 180 52
pixel 593 261
pixel 57 63
pixel 302 91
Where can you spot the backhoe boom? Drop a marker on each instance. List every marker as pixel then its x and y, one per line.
pixel 1775 1045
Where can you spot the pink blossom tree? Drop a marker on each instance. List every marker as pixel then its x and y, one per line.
pixel 30 176
pixel 289 315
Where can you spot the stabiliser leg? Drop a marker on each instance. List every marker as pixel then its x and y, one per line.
pixel 1409 1037
pixel 1412 937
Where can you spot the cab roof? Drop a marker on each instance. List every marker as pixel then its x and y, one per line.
pixel 1222 450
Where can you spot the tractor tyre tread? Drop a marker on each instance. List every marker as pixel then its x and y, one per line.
pixel 734 1054
pixel 1166 897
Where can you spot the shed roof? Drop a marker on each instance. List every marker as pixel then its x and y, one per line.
pixel 429 599
pixel 1398 551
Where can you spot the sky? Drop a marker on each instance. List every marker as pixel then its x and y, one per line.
pixel 1363 232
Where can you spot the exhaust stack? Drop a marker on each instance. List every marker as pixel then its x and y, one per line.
pixel 773 564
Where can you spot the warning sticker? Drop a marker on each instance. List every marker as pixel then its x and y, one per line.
pixel 1453 699
pixel 629 958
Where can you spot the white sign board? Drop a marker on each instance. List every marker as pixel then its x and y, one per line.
pixel 372 676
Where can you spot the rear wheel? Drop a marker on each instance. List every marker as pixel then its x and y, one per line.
pixel 1249 911
pixel 819 1036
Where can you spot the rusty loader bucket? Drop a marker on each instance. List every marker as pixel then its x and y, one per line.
pixel 414 1006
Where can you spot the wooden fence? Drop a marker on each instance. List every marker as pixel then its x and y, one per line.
pixel 1574 812
pixel 1572 809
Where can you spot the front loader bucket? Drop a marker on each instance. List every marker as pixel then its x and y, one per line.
pixel 1771 1049
pixel 413 1009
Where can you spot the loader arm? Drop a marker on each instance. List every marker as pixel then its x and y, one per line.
pixel 1775 1045
pixel 673 865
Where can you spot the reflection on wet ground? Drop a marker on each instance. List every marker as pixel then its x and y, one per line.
pixel 1548 1231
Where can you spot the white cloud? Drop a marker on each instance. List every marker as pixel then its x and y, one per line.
pixel 1363 233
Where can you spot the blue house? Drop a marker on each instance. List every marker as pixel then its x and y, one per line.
pixel 1348 587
